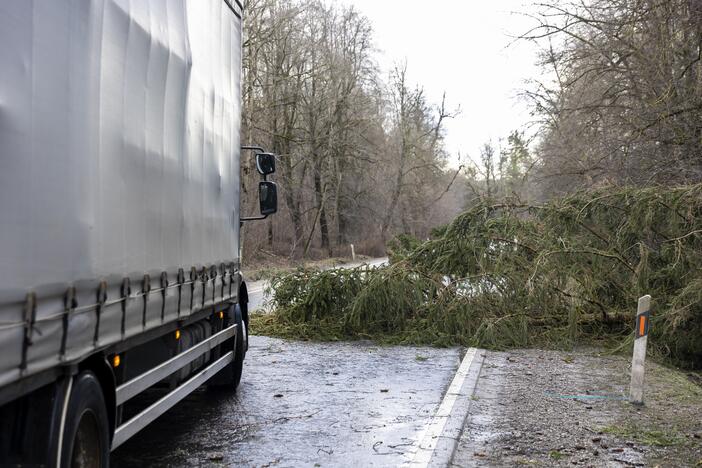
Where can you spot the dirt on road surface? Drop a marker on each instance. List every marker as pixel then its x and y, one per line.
pixel 548 408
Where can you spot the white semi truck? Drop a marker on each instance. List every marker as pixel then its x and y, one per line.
pixel 119 218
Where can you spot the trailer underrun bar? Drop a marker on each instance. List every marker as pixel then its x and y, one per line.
pixel 144 381
pixel 138 384
pixel 138 422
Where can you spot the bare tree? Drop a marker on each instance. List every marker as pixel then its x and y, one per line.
pixel 312 93
pixel 624 103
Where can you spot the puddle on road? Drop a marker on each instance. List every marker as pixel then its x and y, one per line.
pixel 301 404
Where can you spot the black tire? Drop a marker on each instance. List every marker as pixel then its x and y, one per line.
pixel 228 378
pixel 86 433
pixel 244 308
pixel 240 346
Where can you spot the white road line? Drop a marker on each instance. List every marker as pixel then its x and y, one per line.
pixel 429 438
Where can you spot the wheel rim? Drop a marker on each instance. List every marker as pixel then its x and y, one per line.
pixel 86 445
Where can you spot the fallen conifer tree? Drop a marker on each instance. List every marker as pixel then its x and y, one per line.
pixel 506 275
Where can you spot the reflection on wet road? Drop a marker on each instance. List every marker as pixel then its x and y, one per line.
pixel 304 404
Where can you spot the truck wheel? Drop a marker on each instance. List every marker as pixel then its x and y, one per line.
pixel 86 440
pixel 229 377
pixel 244 307
pixel 239 349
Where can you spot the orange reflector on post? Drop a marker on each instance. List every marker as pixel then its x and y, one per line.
pixel 116 361
pixel 642 325
pixel 221 315
pixel 177 334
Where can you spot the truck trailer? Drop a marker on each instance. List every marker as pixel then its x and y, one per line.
pixel 120 282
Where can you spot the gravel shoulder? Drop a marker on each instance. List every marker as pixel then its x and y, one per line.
pixel 549 408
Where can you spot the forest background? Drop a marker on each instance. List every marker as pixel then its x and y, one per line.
pixel 362 155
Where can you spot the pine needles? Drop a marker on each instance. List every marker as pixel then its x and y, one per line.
pixel 511 275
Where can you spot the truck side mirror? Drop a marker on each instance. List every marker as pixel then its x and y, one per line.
pixel 265 163
pixel 268 197
pixel 267 191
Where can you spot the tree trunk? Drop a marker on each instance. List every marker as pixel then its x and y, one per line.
pixel 291 202
pixel 323 225
pixel 342 222
pixel 270 232
pixel 396 192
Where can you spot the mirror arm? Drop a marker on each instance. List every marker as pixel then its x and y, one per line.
pixel 253 148
pixel 253 218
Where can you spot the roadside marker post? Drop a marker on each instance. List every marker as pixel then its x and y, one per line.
pixel 643 318
pixel 353 253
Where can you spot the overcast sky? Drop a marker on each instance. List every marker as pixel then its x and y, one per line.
pixel 461 47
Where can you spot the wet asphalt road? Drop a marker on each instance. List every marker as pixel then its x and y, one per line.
pixel 257 289
pixel 304 404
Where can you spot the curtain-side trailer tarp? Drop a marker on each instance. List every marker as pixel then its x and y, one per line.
pixel 119 170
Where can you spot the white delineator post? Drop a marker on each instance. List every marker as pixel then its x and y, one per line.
pixel 643 317
pixel 353 253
